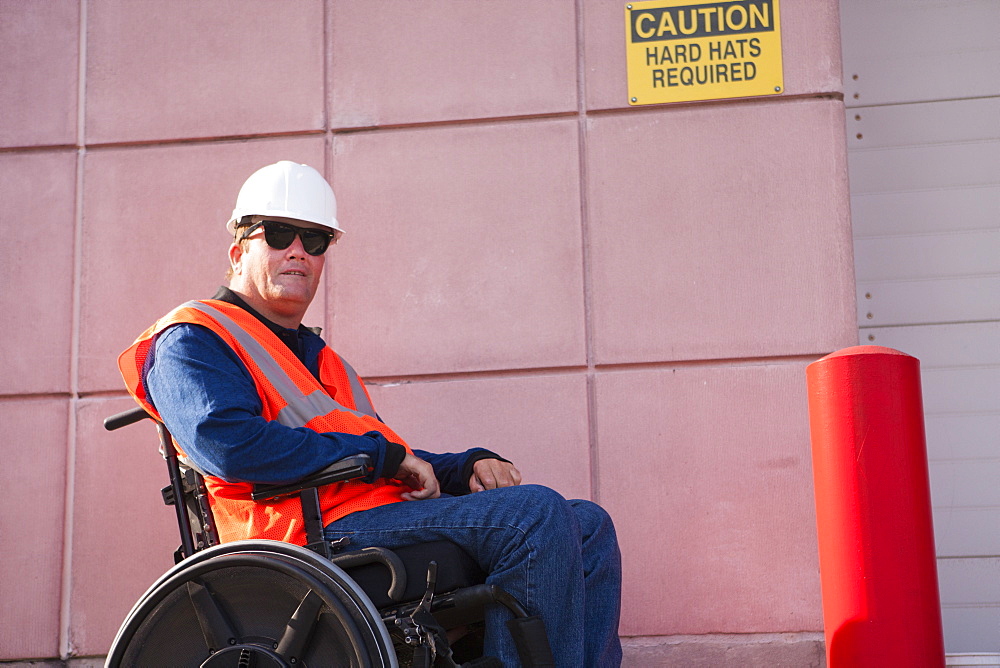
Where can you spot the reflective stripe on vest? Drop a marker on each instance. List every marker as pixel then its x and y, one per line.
pixel 300 408
pixel 358 390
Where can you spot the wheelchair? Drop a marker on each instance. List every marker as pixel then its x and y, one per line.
pixel 269 604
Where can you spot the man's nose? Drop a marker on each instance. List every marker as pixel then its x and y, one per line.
pixel 296 249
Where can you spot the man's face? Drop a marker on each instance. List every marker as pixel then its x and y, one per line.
pixel 276 281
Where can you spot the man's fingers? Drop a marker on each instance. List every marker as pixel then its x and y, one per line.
pixel 419 476
pixel 420 494
pixel 492 474
pixel 429 491
pixel 423 488
pixel 431 488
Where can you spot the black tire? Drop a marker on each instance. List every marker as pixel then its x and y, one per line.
pixel 259 603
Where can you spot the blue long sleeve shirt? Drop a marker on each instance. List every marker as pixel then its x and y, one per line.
pixel 209 402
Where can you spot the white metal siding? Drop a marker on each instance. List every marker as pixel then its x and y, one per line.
pixel 922 86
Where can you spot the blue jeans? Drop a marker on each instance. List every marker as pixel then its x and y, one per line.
pixel 559 558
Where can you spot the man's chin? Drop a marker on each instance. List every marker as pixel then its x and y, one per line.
pixel 290 298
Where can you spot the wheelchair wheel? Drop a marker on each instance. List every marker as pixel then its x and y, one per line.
pixel 253 603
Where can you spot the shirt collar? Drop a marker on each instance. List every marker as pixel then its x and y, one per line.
pixel 224 294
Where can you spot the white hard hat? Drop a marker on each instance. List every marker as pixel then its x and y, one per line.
pixel 287 190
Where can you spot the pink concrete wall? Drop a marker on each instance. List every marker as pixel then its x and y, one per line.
pixel 620 299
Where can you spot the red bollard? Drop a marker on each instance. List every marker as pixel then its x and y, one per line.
pixel 873 510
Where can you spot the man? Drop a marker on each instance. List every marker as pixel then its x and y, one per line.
pixel 252 396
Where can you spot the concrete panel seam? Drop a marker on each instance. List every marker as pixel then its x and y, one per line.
pixel 39 148
pixel 180 141
pixel 81 78
pixel 716 362
pixel 31 396
pixel 485 120
pixel 652 365
pixel 741 102
pixel 65 592
pixel 390 381
pixel 328 140
pixel 327 66
pixel 588 329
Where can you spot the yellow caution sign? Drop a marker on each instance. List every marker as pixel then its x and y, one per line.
pixel 684 50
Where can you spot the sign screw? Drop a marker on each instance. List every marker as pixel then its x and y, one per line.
pixel 635 99
pixel 777 89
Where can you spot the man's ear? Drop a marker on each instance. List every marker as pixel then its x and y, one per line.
pixel 235 257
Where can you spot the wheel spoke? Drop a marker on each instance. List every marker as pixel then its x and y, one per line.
pixel 215 626
pixel 300 626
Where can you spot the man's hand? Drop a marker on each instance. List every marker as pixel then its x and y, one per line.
pixel 493 473
pixel 419 476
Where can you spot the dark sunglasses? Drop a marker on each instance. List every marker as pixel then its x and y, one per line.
pixel 281 235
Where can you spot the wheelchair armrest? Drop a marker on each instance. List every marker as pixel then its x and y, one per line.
pixel 125 418
pixel 349 468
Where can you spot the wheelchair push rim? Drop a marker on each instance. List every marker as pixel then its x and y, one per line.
pixel 261 599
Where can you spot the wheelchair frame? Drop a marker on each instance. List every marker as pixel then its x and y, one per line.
pixel 343 590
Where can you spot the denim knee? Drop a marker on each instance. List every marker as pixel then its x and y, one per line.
pixel 540 494
pixel 538 499
pixel 536 506
pixel 593 518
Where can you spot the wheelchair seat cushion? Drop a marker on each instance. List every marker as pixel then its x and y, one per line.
pixel 456 569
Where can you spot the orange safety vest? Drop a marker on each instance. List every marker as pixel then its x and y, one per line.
pixel 290 394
